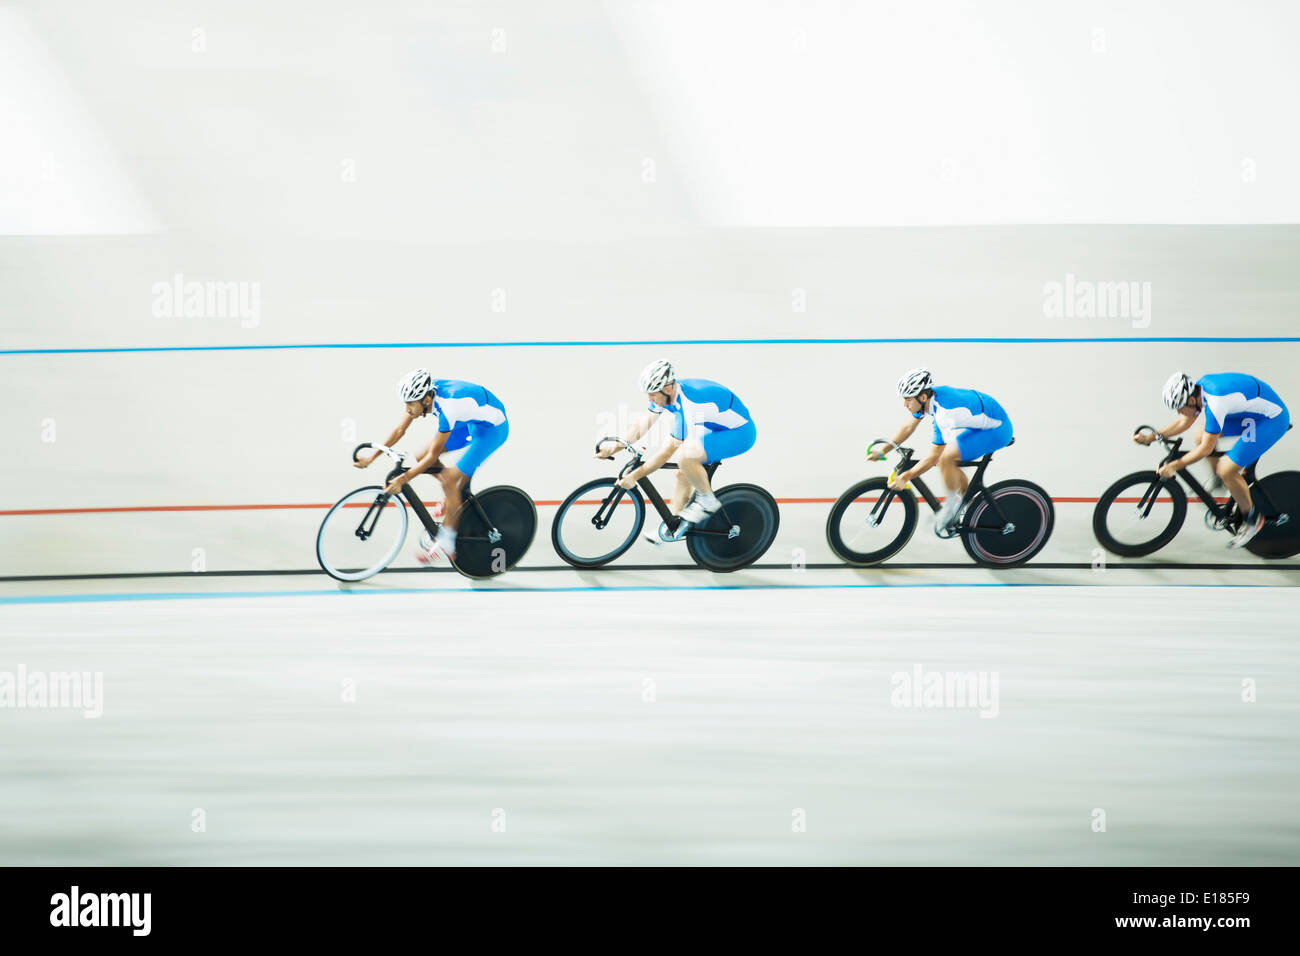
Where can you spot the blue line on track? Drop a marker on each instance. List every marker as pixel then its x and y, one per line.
pixel 645 342
pixel 213 595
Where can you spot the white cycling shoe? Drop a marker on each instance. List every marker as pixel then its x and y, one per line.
pixel 700 507
pixel 1249 528
pixel 435 551
pixel 947 512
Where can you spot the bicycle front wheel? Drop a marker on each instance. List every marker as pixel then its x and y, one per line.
pixel 361 534
pixel 850 530
pixel 1139 514
pixel 1027 518
pixel 597 523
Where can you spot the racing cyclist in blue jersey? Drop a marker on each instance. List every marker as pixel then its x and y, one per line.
pixel 470 418
pixel 709 423
pixel 967 425
pixel 1234 405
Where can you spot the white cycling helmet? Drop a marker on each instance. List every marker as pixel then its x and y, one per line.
pixel 913 383
pixel 656 376
pixel 1178 390
pixel 416 384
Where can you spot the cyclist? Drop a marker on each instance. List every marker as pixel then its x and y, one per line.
pixel 470 418
pixel 967 425
pixel 710 423
pixel 1234 404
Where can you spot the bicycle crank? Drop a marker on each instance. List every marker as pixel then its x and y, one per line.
pixel 1215 523
pixel 670 536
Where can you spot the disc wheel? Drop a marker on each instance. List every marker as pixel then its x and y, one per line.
pixel 486 549
pixel 748 520
pixel 1278 494
pixel 1029 515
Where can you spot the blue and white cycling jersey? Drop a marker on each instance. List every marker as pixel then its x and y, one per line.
pixel 954 409
pixel 1231 397
pixel 703 406
pixel 462 403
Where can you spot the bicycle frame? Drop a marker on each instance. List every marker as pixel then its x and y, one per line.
pixel 367 523
pixel 973 487
pixel 1222 513
pixel 604 512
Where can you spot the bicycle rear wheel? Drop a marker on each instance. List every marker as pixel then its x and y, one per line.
pixel 1139 514
pixel 361 534
pixel 850 533
pixel 1278 495
pixel 750 519
pixel 1029 518
pixel 486 549
pixel 597 523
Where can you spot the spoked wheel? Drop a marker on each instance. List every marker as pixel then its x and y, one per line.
pixel 1027 517
pixel 597 523
pixel 1278 495
pixel 486 549
pixel 748 518
pixel 850 531
pixel 361 534
pixel 1139 514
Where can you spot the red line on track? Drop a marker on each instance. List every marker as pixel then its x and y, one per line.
pixel 152 508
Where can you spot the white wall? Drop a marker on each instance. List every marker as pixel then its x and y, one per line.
pixel 137 429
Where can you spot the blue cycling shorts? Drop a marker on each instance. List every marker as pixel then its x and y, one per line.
pixel 479 439
pixel 1267 432
pixel 728 443
pixel 975 443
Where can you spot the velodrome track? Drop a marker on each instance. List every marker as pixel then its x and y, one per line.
pixel 659 714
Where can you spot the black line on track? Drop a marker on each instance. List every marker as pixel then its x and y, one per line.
pixel 828 566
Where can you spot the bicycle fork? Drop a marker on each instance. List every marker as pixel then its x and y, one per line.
pixel 366 527
pixel 1149 500
pixel 606 510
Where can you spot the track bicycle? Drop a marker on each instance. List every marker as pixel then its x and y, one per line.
pixel 1001 525
pixel 1142 512
pixel 600 521
pixel 365 530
